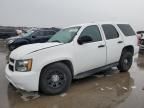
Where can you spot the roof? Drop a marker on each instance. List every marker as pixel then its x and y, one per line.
pixel 95 23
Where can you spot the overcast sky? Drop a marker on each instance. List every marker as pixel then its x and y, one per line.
pixel 46 13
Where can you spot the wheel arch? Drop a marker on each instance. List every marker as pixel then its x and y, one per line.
pixel 68 63
pixel 128 48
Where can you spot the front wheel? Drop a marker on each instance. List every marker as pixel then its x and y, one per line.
pixel 55 79
pixel 125 61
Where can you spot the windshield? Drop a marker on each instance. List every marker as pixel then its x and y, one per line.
pixel 65 35
pixel 27 34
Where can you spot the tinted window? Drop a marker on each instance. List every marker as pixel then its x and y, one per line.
pixel 40 33
pixel 126 29
pixel 47 33
pixel 93 32
pixel 37 33
pixel 52 32
pixel 110 31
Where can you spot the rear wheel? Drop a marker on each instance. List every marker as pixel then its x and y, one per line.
pixel 125 61
pixel 55 79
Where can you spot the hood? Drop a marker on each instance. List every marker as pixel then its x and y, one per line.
pixel 27 49
pixel 13 38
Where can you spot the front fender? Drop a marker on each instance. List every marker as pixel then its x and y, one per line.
pixel 40 65
pixel 53 61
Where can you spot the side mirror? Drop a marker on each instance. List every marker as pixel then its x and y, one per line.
pixel 84 39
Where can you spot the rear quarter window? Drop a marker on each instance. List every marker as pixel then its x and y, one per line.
pixel 126 29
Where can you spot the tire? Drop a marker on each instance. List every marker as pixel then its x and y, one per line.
pixel 125 61
pixel 55 79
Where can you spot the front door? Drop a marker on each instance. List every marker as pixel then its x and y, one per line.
pixel 92 54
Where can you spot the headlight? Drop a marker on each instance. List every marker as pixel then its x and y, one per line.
pixel 23 65
pixel 10 41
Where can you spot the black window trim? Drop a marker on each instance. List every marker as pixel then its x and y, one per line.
pixel 118 25
pixel 115 29
pixel 99 31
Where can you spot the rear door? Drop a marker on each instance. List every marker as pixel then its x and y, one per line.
pixel 114 43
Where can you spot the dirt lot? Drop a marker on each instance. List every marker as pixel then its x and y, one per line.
pixel 109 89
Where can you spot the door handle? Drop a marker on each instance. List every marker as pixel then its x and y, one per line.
pixel 100 46
pixel 120 42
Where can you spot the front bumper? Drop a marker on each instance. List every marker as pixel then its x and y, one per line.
pixel 28 81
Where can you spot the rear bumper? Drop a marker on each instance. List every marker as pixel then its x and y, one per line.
pixel 23 80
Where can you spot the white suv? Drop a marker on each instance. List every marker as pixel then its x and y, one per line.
pixel 74 52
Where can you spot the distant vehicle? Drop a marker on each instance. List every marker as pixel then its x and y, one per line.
pixel 141 40
pixel 74 52
pixel 142 43
pixel 36 36
pixel 24 34
pixel 7 33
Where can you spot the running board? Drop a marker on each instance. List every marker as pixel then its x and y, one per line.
pixel 93 71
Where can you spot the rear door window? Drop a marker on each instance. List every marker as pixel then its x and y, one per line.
pixel 47 33
pixel 38 33
pixel 126 29
pixel 51 33
pixel 110 31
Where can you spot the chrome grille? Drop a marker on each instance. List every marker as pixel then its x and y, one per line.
pixel 11 60
pixel 11 64
pixel 11 67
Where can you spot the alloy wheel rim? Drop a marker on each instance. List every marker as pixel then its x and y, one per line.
pixel 56 79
